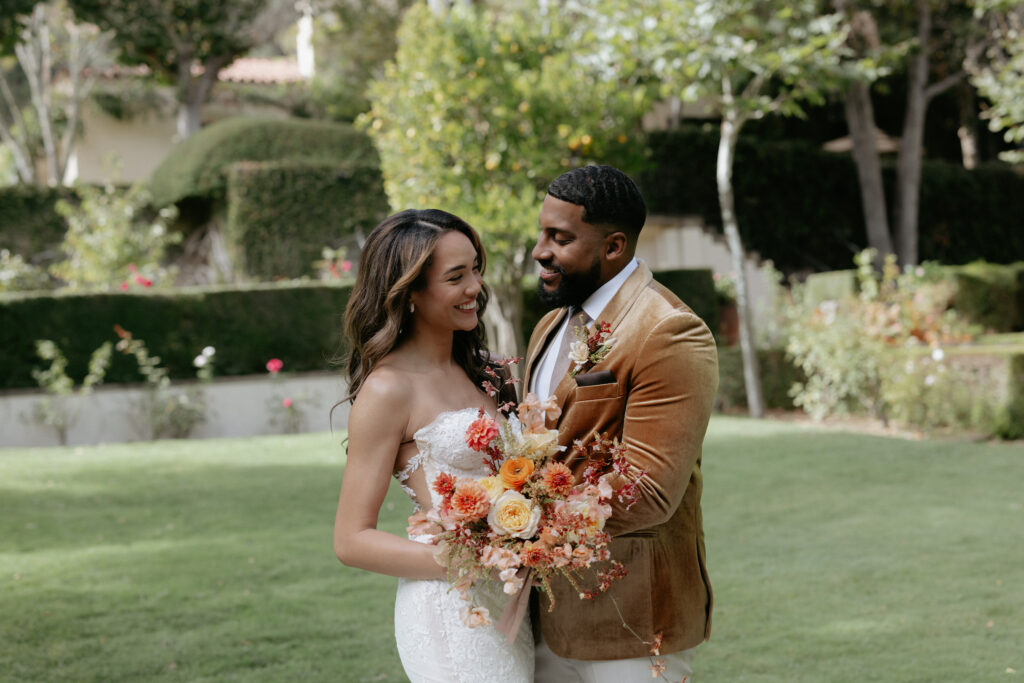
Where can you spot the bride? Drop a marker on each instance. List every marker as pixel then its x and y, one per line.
pixel 415 369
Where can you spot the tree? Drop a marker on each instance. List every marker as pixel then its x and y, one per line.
pixel 187 42
pixel 354 39
pixel 52 50
pixel 744 59
pixel 479 111
pixel 998 70
pixel 930 41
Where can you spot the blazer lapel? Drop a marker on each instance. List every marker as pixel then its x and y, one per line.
pixel 550 323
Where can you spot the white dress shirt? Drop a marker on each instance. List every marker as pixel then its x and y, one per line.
pixel 541 383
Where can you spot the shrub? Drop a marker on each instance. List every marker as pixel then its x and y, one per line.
pixel 29 222
pixel 112 239
pixel 778 374
pixel 990 295
pixel 299 322
pixel 282 214
pixel 783 214
pixel 198 166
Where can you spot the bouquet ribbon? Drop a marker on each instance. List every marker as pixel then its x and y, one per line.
pixel 512 616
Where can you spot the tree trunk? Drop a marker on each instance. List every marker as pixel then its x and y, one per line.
pixel 194 91
pixel 860 118
pixel 968 130
pixel 504 314
pixel 908 178
pixel 751 372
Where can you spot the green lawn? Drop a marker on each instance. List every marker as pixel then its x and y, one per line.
pixel 834 557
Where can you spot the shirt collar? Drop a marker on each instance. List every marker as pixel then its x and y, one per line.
pixel 596 302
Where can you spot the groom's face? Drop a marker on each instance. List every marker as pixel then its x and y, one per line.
pixel 569 253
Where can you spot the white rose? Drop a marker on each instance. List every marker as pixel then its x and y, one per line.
pixel 579 353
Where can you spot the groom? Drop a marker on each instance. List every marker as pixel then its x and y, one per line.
pixel 653 391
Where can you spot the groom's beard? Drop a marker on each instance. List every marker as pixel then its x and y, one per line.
pixel 573 288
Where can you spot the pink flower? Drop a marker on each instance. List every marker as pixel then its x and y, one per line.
pixel 501 558
pixel 346 266
pixel 287 403
pixel 481 432
pixel 124 286
pixel 143 281
pixel 561 555
pixel 133 268
pixel 421 525
pixel 274 365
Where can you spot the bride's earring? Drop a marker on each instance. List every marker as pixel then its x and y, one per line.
pixel 412 307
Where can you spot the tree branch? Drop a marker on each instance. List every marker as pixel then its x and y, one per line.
pixel 945 84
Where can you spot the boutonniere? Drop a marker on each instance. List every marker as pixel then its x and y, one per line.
pixel 593 344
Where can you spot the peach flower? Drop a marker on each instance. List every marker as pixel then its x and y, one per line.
pixel 534 554
pixel 470 500
pixel 500 558
pixel 557 479
pixel 515 471
pixel 475 616
pixel 514 515
pixel 481 432
pixel 493 485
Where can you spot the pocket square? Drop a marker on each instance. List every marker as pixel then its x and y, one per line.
pixel 589 379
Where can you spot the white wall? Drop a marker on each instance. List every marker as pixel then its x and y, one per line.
pixel 236 406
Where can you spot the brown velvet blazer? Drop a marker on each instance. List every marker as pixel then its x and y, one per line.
pixel 657 400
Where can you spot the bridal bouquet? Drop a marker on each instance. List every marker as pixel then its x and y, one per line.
pixel 529 520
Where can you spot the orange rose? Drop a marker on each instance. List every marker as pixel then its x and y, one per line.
pixel 515 471
pixel 470 500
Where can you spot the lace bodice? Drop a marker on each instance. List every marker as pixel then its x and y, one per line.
pixel 442 448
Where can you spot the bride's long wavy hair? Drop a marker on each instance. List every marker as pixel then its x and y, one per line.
pixel 393 264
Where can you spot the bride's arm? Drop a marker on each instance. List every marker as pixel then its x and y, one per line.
pixel 375 427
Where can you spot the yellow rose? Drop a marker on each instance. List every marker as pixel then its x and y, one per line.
pixel 514 515
pixel 494 487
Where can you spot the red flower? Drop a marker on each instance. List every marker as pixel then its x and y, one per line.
pixel 274 365
pixel 124 286
pixel 481 432
pixel 444 485
pixel 143 281
pixel 287 403
pixel 346 266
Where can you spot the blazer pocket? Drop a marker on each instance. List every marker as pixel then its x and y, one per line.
pixel 596 392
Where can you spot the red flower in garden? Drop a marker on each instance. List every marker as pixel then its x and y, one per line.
pixel 287 403
pixel 274 365
pixel 346 266
pixel 124 286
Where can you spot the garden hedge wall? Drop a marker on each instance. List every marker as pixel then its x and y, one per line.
pixel 29 222
pixel 800 206
pixel 281 214
pixel 300 323
pixel 198 166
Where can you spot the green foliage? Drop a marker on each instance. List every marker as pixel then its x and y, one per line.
pixel 11 13
pixel 990 295
pixel 778 375
pixel 163 413
pixel 481 110
pixel 965 214
pixel 29 222
pixel 353 41
pixel 998 75
pixel 199 165
pixel 281 214
pixel 297 322
pixel 113 238
pixel 895 350
pixel 16 275
pixel 53 410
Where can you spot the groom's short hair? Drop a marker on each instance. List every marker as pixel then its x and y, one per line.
pixel 608 197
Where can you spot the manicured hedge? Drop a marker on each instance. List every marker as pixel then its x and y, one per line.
pixel 800 206
pixel 993 377
pixel 282 214
pixel 29 222
pixel 300 323
pixel 198 166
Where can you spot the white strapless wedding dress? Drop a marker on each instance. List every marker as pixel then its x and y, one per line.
pixel 433 643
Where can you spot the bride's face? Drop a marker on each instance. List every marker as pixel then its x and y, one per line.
pixel 453 282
